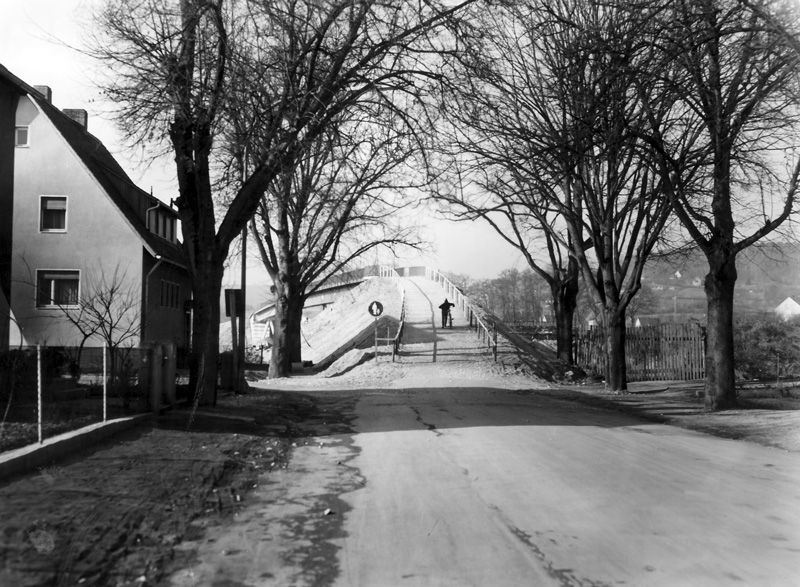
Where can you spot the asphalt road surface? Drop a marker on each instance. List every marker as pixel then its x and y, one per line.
pixel 441 486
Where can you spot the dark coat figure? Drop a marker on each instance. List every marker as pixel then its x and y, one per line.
pixel 445 308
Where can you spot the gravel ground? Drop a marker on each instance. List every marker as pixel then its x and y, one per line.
pixel 115 515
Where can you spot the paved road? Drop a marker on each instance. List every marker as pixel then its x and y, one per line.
pixel 496 487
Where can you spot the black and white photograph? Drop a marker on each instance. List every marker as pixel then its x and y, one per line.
pixel 407 293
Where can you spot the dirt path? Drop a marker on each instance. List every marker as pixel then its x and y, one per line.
pixel 117 514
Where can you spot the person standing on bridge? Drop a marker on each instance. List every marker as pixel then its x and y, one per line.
pixel 445 308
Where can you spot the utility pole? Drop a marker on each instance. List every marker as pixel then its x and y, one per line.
pixel 240 381
pixel 242 315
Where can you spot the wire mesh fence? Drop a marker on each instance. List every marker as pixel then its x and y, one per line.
pixel 48 390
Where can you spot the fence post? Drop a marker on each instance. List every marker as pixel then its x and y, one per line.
pixel 376 339
pixel 494 337
pixel 39 388
pixel 105 381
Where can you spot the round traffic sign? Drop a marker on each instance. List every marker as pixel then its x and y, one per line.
pixel 376 309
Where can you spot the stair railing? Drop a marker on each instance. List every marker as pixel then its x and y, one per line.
pixel 487 334
pixel 396 341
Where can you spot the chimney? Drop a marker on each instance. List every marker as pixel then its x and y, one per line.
pixel 46 92
pixel 78 115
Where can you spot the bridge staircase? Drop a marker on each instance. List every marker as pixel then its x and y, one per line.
pixel 424 339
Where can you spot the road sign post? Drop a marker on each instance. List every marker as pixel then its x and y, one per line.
pixel 376 309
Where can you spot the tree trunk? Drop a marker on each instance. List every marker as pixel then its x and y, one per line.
pixel 286 336
pixel 207 287
pixel 720 387
pixel 294 335
pixel 280 362
pixel 565 300
pixel 616 370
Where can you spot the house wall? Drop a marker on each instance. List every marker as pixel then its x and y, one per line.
pixel 97 242
pixel 165 319
pixel 8 105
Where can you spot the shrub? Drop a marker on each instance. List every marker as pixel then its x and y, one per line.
pixel 766 347
pixel 17 371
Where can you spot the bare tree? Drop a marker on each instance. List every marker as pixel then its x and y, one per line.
pixel 180 72
pixel 548 92
pixel 482 136
pixel 732 173
pixel 644 302
pixel 513 295
pixel 108 307
pixel 339 202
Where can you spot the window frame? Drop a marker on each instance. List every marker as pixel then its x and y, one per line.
pixel 163 224
pixel 41 214
pixel 170 294
pixel 52 305
pixel 27 142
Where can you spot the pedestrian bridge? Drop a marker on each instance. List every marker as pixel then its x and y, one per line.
pixel 340 329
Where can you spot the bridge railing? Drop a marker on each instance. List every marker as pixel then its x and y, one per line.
pixel 396 340
pixel 487 333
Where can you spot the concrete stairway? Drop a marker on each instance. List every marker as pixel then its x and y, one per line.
pixel 423 338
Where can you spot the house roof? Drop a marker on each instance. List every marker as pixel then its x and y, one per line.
pixel 124 194
pixel 788 306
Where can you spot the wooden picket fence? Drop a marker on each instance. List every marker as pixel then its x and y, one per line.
pixel 657 352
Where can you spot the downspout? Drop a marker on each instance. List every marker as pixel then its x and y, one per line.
pixel 147 216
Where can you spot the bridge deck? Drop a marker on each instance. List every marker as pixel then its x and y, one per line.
pixel 423 338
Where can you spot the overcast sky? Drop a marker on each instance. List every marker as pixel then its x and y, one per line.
pixel 28 52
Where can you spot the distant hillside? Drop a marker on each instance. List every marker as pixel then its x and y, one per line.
pixel 768 274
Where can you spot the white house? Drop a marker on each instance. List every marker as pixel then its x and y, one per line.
pixel 70 219
pixel 788 309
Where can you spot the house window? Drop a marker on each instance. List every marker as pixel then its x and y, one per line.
pixel 162 224
pixel 21 135
pixel 170 292
pixel 57 288
pixel 53 217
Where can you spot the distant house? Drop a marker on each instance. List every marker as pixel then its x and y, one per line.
pixel 72 222
pixel 640 321
pixel 788 309
pixel 591 320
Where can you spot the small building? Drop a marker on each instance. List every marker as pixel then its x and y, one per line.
pixel 73 225
pixel 788 309
pixel 641 321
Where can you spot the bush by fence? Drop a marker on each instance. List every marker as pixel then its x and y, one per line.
pixel 766 347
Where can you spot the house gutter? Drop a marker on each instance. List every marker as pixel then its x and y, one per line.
pixel 147 215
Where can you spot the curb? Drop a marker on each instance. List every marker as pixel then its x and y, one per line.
pixel 21 460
